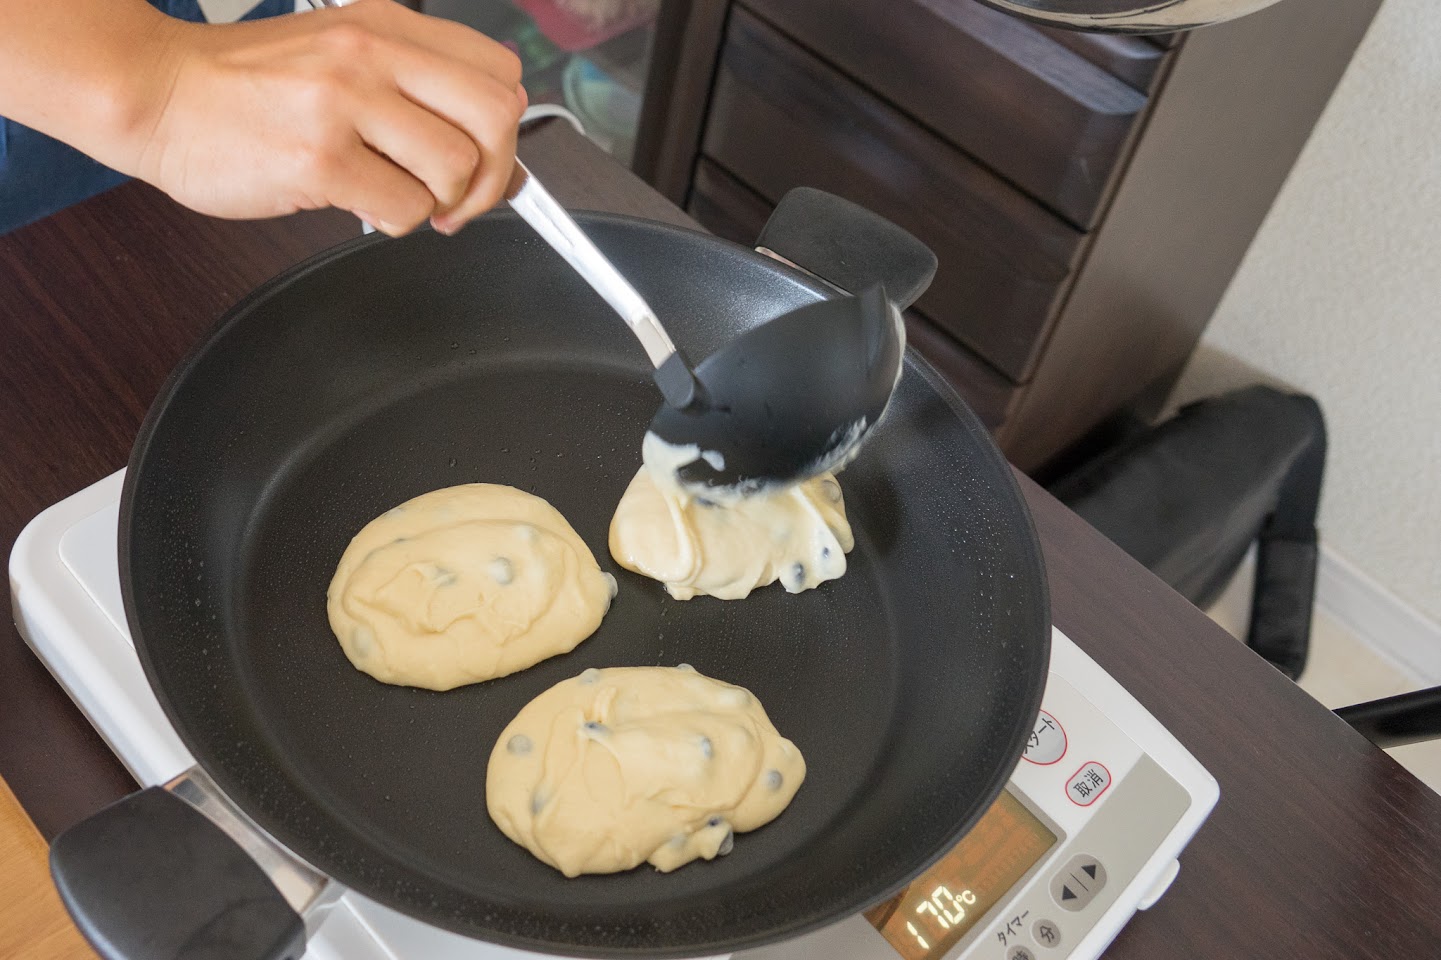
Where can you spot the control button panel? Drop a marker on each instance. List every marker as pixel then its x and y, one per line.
pixel 1088 783
pixel 1078 882
pixel 1059 910
pixel 1013 930
pixel 1046 933
pixel 1048 741
pixel 1105 800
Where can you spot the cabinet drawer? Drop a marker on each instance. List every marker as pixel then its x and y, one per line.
pixel 1135 60
pixel 987 392
pixel 726 207
pixel 780 118
pixel 1042 116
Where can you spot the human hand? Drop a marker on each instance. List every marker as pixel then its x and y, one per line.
pixel 372 108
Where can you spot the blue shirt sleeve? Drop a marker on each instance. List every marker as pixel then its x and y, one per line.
pixel 40 175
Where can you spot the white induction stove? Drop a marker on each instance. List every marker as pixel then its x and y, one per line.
pixel 1087 832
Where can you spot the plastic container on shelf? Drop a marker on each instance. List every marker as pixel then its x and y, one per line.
pixel 609 111
pixel 602 86
pixel 575 25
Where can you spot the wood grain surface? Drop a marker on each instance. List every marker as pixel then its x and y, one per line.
pixel 782 118
pixel 1040 115
pixel 33 922
pixel 725 206
pixel 1322 847
pixel 1132 59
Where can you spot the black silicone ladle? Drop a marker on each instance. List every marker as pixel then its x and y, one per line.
pixel 781 403
pixel 788 399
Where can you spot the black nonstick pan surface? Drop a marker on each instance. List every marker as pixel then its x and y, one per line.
pixel 387 368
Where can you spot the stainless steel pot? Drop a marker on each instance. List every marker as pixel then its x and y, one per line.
pixel 1129 16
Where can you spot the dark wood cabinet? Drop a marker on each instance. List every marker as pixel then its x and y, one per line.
pixel 1005 261
pixel 1089 196
pixel 1043 117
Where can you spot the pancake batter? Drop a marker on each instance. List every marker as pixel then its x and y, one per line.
pixel 465 584
pixel 620 766
pixel 726 548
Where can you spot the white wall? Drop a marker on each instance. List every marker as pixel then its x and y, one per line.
pixel 1340 296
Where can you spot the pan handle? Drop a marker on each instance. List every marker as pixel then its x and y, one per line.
pixel 179 872
pixel 847 246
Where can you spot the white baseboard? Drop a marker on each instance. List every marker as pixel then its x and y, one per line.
pixel 1379 618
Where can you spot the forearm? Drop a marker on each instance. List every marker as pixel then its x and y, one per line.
pixel 91 73
pixel 371 108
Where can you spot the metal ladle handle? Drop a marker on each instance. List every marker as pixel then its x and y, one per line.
pixel 537 207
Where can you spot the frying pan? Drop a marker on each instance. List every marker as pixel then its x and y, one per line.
pixel 387 368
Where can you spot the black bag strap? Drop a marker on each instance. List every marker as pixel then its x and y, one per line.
pixel 1286 557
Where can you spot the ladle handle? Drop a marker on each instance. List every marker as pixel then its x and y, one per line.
pixel 539 209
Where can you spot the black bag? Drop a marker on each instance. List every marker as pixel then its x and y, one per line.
pixel 1189 496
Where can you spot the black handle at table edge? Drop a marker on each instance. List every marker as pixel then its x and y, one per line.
pixel 151 877
pixel 847 245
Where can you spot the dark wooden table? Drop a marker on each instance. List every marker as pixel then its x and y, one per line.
pixel 1321 847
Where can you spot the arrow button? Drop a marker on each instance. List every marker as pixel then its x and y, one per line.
pixel 1078 883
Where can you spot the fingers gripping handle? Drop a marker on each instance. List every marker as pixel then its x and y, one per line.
pixel 847 246
pixel 152 878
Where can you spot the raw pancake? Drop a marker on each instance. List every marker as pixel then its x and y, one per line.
pixel 798 535
pixel 630 764
pixel 465 584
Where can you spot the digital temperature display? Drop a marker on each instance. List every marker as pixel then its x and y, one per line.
pixel 942 904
